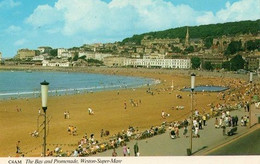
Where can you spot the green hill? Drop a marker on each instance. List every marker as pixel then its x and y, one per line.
pixel 202 31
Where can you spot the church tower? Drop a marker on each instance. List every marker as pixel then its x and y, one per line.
pixel 187 38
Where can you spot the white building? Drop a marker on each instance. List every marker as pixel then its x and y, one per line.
pixel 54 63
pixel 38 58
pixel 63 53
pixel 94 55
pixel 0 56
pixel 161 63
pixel 101 56
pixel 153 56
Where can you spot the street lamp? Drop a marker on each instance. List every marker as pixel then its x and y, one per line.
pixel 191 123
pixel 250 81
pixel 44 91
pixel 251 77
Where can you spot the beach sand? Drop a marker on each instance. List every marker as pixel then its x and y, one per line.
pixel 108 107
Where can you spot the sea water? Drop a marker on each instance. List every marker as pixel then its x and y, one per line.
pixel 22 84
pixel 207 89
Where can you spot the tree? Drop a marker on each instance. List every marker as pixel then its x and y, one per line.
pixel 226 65
pixel 208 42
pixel 175 49
pixel 233 47
pixel 94 62
pixel 237 62
pixel 189 49
pixel 252 45
pixel 208 66
pixel 54 52
pixel 75 58
pixel 83 58
pixel 195 62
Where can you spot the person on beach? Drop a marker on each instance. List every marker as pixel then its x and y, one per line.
pixel 90 111
pixel 163 114
pixel 125 104
pixel 39 111
pixel 65 115
pixel 18 150
pixel 102 133
pixel 68 115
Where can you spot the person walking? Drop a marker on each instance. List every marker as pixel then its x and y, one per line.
pixel 136 149
pixel 114 154
pixel 128 151
pixel 124 150
pixel 185 131
pixel 204 118
pixel 224 130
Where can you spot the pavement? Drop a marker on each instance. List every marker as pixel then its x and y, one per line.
pixel 163 145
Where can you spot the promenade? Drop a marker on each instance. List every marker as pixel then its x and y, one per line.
pixel 163 145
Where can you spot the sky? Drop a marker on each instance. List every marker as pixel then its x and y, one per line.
pixel 68 23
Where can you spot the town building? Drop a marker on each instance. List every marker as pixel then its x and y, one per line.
pixel 63 53
pixel 159 63
pixel 44 49
pixel 216 61
pixel 55 63
pixel 0 56
pixel 252 62
pixel 25 54
pixel 38 58
pixel 114 61
pixel 94 55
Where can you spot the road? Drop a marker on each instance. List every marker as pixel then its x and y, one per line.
pixel 246 145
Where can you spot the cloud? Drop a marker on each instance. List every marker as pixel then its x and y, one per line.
pixel 119 18
pixel 9 3
pixel 241 10
pixel 13 29
pixel 44 15
pixel 20 42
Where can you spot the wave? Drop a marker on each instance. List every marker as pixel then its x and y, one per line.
pixel 76 89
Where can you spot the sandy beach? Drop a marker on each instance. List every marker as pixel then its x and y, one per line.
pixel 108 107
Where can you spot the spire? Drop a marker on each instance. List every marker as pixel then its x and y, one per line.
pixel 187 37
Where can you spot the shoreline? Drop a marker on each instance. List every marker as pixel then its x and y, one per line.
pixel 133 82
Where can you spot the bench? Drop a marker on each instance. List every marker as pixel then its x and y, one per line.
pixel 231 131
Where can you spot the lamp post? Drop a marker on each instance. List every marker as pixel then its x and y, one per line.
pixel 44 91
pixel 250 81
pixel 191 123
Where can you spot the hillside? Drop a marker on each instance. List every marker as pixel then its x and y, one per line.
pixel 202 31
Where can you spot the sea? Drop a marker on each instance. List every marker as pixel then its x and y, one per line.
pixel 26 84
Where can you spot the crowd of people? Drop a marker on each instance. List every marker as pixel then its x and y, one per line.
pixel 72 130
